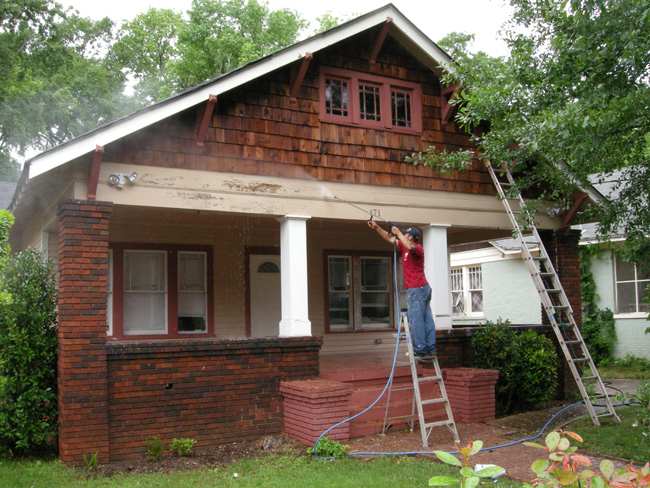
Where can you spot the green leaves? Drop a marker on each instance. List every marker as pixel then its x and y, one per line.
pixel 447 458
pixel 575 90
pixel 28 398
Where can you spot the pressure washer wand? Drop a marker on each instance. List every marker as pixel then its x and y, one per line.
pixel 372 215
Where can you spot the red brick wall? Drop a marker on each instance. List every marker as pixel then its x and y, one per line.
pixel 215 391
pixel 82 383
pixel 562 248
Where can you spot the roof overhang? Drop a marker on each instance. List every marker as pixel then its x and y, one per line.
pixel 401 28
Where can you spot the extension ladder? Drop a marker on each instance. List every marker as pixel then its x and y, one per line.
pixel 420 379
pixel 551 293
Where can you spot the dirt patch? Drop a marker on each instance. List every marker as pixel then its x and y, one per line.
pixel 218 456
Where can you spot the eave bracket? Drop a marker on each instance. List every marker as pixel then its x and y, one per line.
pixel 379 41
pixel 446 97
pixel 93 175
pixel 297 80
pixel 204 120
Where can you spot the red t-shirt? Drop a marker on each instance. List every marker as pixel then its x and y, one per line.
pixel 413 266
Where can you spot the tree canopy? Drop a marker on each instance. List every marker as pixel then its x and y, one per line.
pixel 571 104
pixel 62 75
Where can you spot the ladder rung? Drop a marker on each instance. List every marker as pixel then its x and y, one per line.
pixel 429 378
pixel 588 378
pixel 572 342
pixel 436 424
pixel 609 414
pixel 546 274
pixel 554 290
pixel 434 401
pixel 579 360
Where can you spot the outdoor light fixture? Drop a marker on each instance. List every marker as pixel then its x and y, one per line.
pixel 552 212
pixel 119 179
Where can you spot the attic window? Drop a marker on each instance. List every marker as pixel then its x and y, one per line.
pixel 364 100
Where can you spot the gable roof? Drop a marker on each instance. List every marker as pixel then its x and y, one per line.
pixel 423 48
pixel 7 190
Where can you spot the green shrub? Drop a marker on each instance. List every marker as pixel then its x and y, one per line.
pixel 155 448
pixel 28 344
pixel 642 396
pixel 527 365
pixel 598 326
pixel 328 448
pixel 599 333
pixel 182 447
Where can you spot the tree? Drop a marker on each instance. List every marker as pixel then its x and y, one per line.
pixel 572 100
pixel 224 34
pixel 54 81
pixel 146 48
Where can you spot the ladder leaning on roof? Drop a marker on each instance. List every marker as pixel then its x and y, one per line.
pixel 551 293
pixel 418 379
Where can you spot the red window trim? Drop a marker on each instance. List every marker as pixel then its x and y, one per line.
pixel 172 290
pixel 386 84
pixel 326 301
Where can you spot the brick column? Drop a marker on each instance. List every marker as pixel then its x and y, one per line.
pixel 471 393
pixel 562 248
pixel 313 406
pixel 82 376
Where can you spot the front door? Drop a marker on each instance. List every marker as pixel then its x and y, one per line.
pixel 266 298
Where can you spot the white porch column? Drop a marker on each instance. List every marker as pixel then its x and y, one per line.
pixel 436 269
pixel 293 278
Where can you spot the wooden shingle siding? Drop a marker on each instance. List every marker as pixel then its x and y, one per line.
pixel 257 129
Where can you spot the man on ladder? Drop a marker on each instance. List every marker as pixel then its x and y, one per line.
pixel 418 291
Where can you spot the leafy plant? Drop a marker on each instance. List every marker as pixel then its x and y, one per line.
pixel 527 365
pixel 328 448
pixel 28 349
pixel 598 328
pixel 468 477
pixel 155 448
pixel 443 162
pixel 563 468
pixel 182 447
pixel 91 461
pixel 642 396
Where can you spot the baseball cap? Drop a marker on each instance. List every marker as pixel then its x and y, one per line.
pixel 413 231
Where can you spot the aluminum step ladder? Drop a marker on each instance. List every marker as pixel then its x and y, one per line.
pixel 418 402
pixel 551 293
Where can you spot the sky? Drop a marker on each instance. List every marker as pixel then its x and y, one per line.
pixel 435 18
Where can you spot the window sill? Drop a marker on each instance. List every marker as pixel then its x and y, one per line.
pixel 633 315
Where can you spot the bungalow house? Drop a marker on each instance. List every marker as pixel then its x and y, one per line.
pixel 214 244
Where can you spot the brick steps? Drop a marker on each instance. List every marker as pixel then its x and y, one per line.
pixel 471 395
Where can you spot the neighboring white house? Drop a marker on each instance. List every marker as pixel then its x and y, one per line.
pixel 489 281
pixel 620 287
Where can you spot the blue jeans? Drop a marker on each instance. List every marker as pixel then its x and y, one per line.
pixel 423 328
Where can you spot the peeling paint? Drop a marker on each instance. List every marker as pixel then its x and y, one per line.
pixel 255 187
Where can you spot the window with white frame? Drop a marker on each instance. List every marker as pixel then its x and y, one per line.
pixel 359 292
pixel 160 292
pixel 631 288
pixel 145 292
pixel 192 292
pixel 467 290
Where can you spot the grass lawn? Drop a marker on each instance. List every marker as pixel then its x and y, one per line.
pixel 612 439
pixel 272 471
